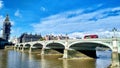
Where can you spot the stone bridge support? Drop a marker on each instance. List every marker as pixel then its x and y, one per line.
pixel 30 49
pixel 65 54
pixel 18 48
pixel 15 47
pixel 43 49
pixel 23 48
pixel 115 57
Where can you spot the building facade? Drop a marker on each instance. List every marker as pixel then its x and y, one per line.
pixel 29 37
pixel 53 37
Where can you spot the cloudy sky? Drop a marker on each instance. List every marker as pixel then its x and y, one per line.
pixel 75 18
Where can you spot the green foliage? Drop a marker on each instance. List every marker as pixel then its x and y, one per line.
pixel 41 39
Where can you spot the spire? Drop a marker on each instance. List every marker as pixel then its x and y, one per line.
pixel 6 28
pixel 7 18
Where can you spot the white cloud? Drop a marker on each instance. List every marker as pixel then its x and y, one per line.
pixel 1 20
pixel 101 34
pixel 1 4
pixel 16 31
pixel 43 9
pixel 78 21
pixel 117 8
pixel 1 23
pixel 99 5
pixel 12 23
pixel 18 14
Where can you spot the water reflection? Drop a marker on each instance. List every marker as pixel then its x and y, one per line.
pixel 65 63
pixel 51 61
pixel 2 59
pixel 79 63
pixel 16 59
pixel 43 61
pixel 33 61
pixel 104 59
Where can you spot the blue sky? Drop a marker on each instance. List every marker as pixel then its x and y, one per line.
pixel 76 18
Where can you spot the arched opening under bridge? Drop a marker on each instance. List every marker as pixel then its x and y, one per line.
pixel 86 49
pixel 36 48
pixel 16 46
pixel 20 47
pixel 54 48
pixel 27 47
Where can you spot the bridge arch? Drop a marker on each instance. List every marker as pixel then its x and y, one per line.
pixel 98 43
pixel 55 45
pixel 59 47
pixel 27 45
pixel 21 45
pixel 87 48
pixel 52 42
pixel 16 45
pixel 37 45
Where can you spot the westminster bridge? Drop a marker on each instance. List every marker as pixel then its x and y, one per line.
pixel 70 48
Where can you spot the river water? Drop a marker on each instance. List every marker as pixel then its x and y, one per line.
pixel 16 59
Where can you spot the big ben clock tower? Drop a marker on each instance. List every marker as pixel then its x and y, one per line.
pixel 6 28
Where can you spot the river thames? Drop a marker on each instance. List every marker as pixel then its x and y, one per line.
pixel 16 59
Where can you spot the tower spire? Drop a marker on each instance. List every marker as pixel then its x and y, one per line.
pixel 7 18
pixel 6 28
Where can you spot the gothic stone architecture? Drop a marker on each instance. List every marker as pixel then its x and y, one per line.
pixel 29 37
pixel 6 28
pixel 6 32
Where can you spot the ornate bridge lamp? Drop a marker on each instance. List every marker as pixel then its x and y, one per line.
pixel 66 37
pixel 114 32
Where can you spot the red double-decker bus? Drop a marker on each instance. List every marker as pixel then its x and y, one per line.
pixel 90 36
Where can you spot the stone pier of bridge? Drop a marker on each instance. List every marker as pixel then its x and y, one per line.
pixel 115 54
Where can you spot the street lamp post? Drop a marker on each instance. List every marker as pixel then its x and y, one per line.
pixel 114 30
pixel 66 37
